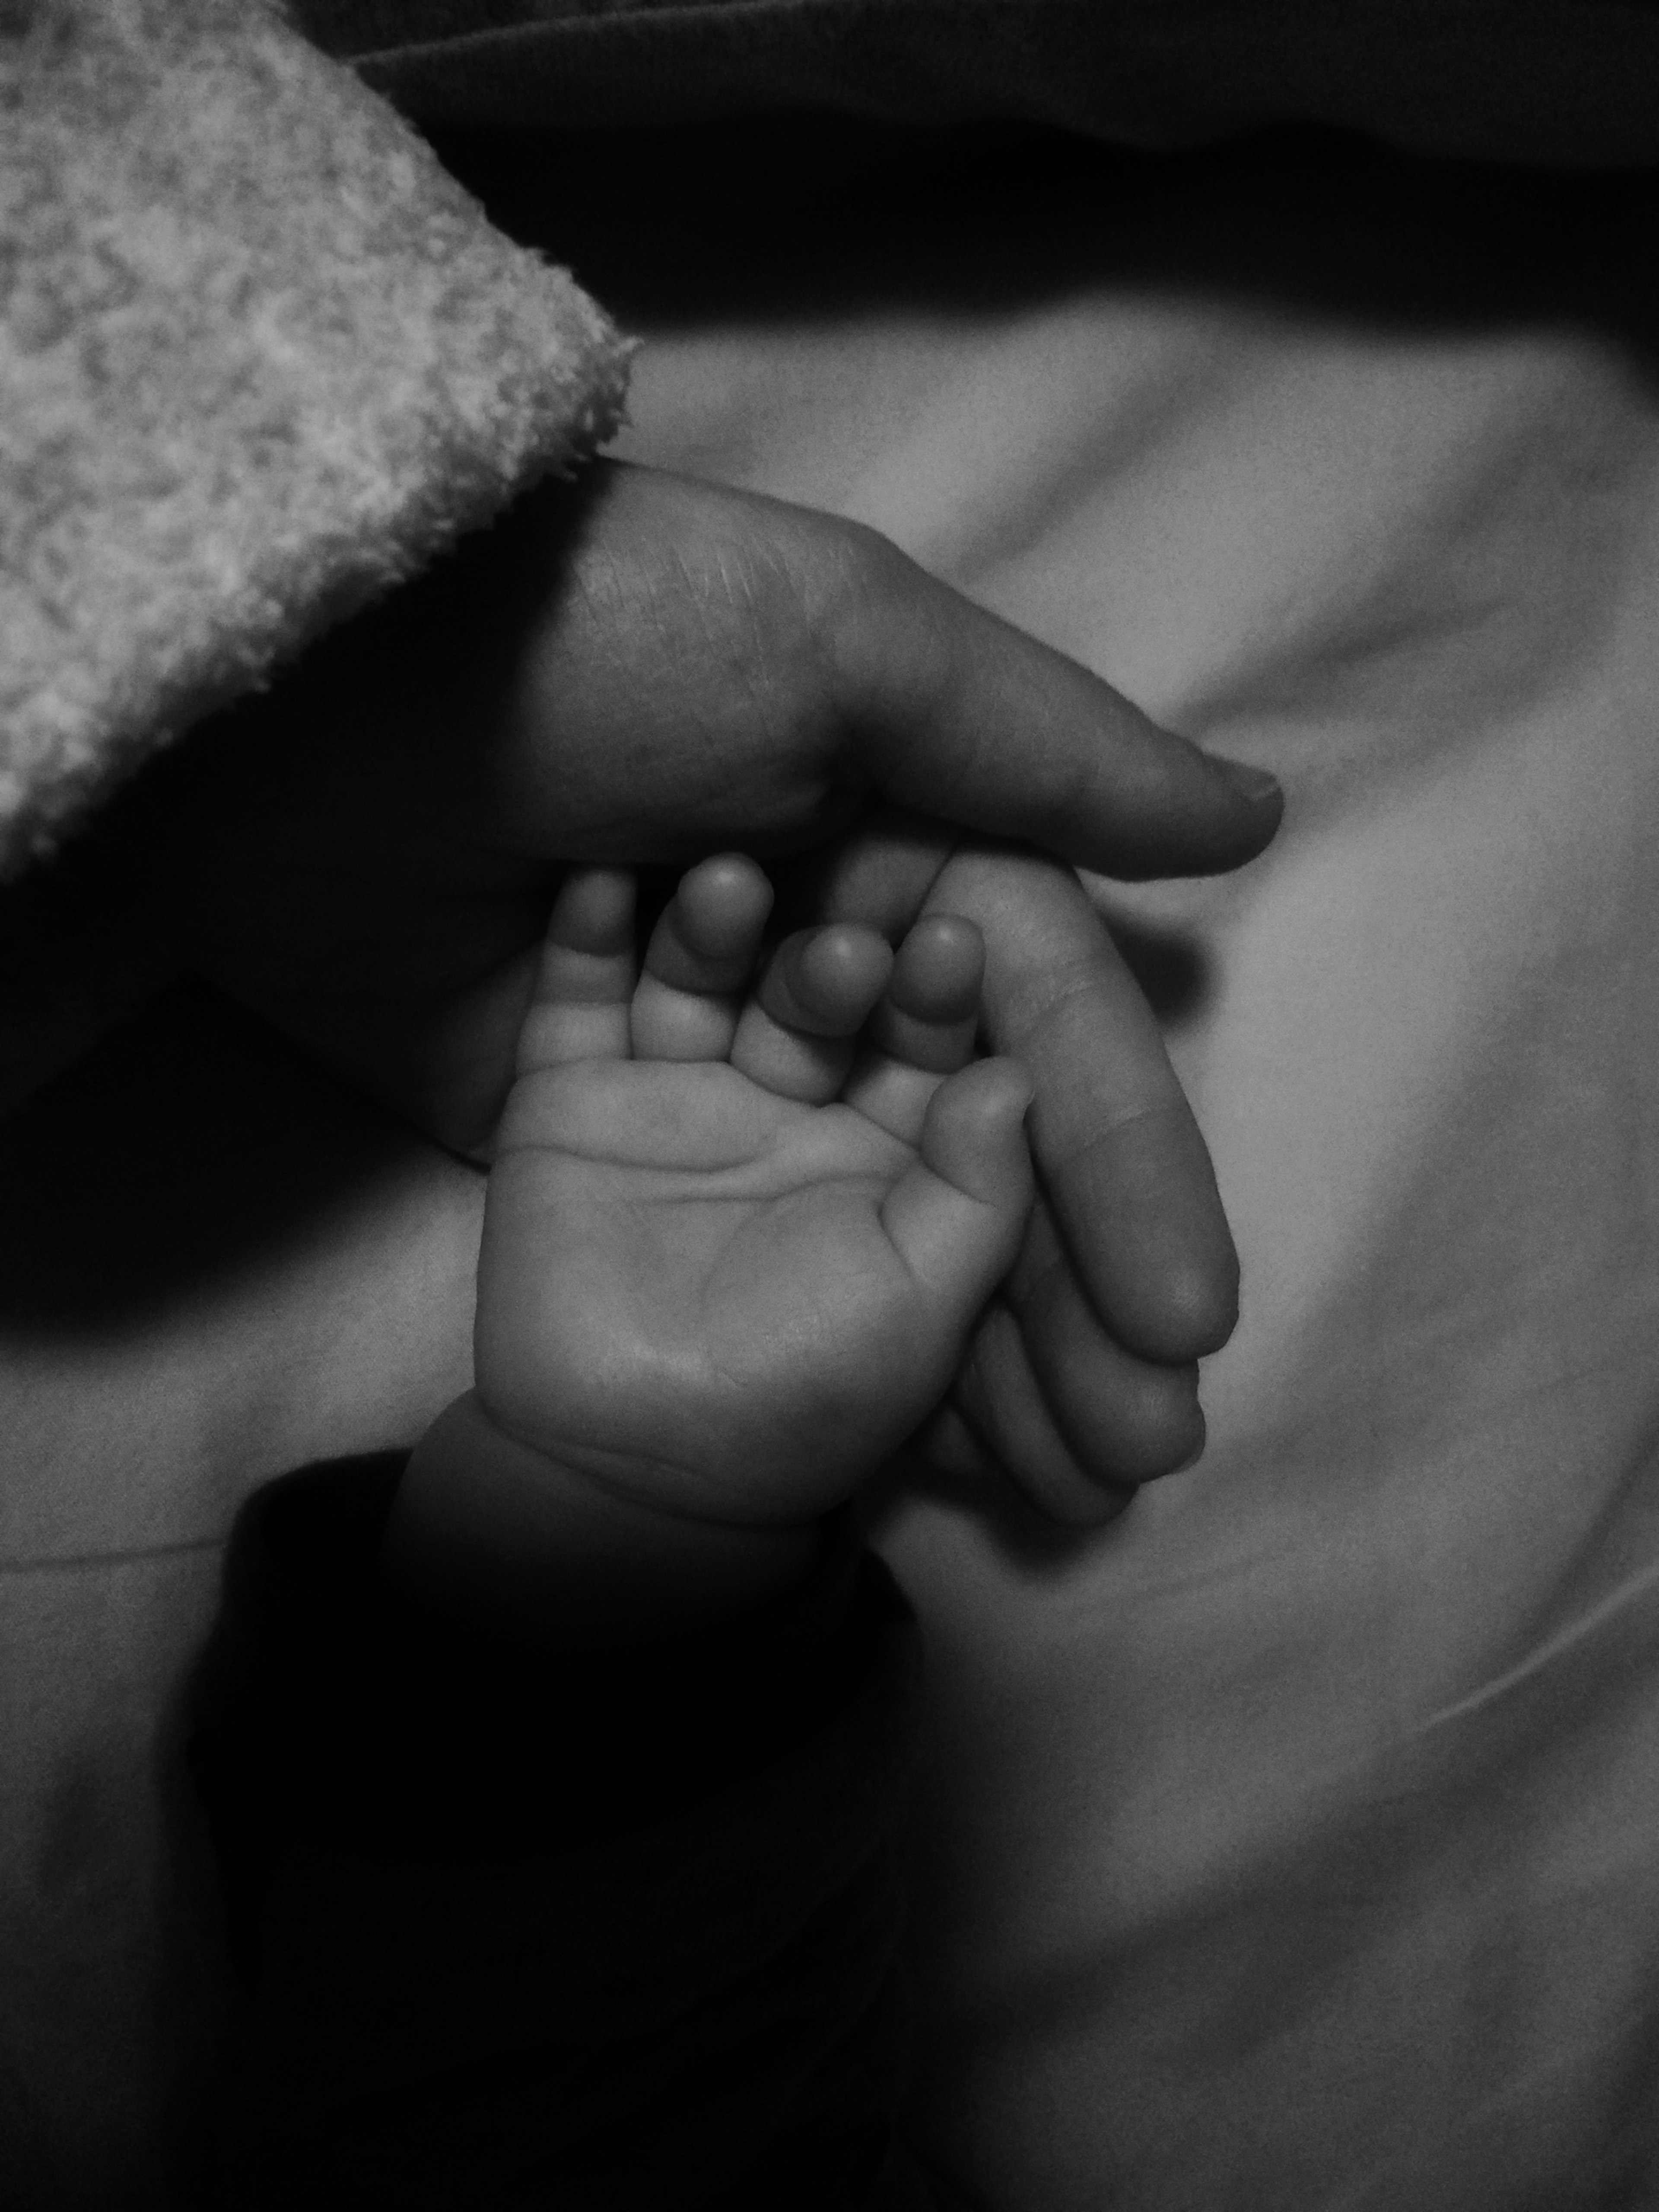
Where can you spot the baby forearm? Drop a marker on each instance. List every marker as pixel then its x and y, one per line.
pixel 484 1526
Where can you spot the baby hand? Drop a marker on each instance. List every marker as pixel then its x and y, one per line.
pixel 740 1225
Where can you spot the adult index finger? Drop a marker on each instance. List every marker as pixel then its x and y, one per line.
pixel 959 714
pixel 1118 1152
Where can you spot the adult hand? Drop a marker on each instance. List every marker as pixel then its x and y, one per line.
pixel 1082 1379
pixel 640 668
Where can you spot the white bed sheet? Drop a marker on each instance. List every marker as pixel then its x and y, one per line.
pixel 1294 1843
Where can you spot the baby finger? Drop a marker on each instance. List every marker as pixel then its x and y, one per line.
pixel 797 1035
pixel 700 957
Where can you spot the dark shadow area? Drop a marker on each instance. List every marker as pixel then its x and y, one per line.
pixel 800 216
pixel 188 1147
pixel 1175 968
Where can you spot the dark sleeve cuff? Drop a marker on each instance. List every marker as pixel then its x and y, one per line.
pixel 325 1707
pixel 625 1936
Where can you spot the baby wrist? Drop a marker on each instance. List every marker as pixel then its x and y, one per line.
pixel 488 1527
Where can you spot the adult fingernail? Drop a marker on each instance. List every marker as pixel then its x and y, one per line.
pixel 1255 784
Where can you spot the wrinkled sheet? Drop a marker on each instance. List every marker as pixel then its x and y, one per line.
pixel 1295 1841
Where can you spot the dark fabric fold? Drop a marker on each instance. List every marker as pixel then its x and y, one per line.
pixel 1552 81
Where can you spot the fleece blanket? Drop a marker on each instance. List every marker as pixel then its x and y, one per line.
pixel 1291 1843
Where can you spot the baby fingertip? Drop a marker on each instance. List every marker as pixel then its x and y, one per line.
pixel 939 970
pixel 974 1132
pixel 592 910
pixel 720 905
pixel 1009 1090
pixel 826 980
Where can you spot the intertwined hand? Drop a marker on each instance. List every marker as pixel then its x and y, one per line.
pixel 639 668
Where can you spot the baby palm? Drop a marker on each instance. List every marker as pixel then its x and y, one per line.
pixel 730 1325
pixel 743 1211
